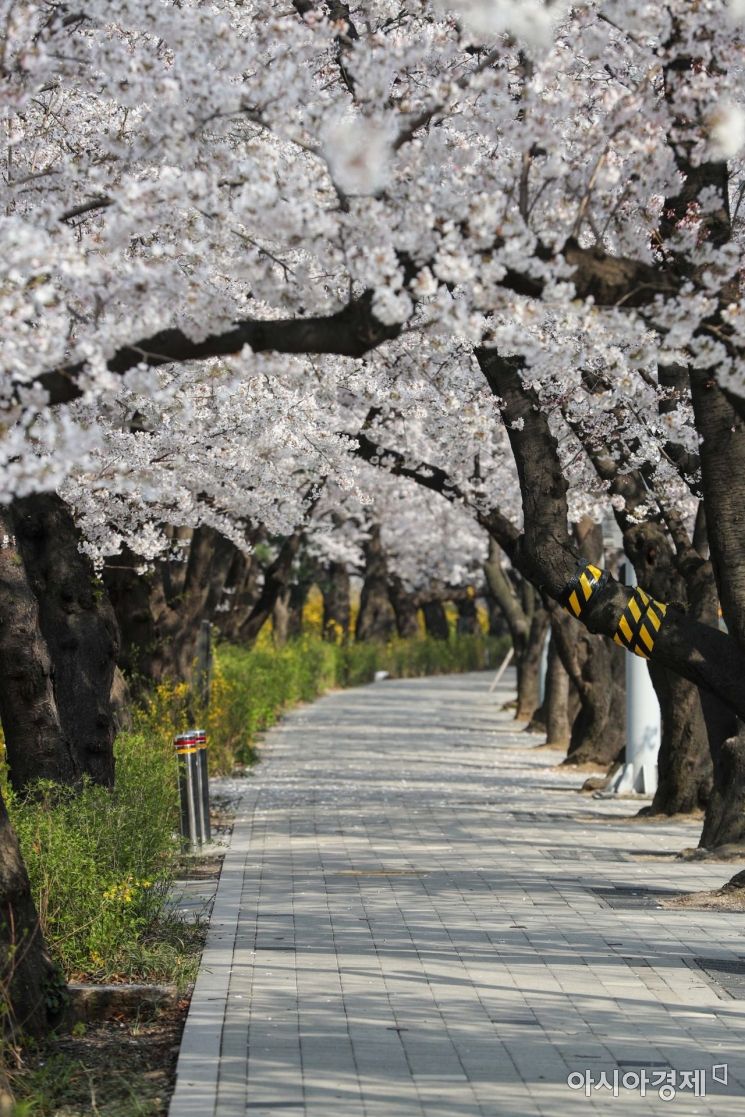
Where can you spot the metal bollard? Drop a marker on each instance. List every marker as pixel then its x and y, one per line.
pixel 187 754
pixel 204 783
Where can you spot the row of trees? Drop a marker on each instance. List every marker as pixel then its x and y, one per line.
pixel 269 273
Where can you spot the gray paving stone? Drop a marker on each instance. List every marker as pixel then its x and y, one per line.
pixel 405 927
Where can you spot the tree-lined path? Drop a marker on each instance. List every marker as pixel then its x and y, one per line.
pixel 406 924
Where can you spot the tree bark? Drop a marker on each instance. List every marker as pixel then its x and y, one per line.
pixel 468 620
pixel 527 621
pixel 30 982
pixel 281 617
pixel 684 767
pixel 78 625
pixel 557 704
pixel 528 664
pixel 724 821
pixel 37 746
pixel 404 606
pixel 722 453
pixel 376 619
pixel 497 624
pixel 295 605
pixel 597 671
pixel 435 620
pixel 335 588
pixel 276 580
pixel 241 591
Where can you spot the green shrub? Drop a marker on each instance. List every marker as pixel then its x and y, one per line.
pixel 252 686
pixel 101 862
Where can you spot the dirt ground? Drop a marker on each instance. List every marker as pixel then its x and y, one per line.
pixel 719 899
pixel 117 1068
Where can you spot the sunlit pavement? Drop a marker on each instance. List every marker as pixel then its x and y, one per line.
pixel 406 924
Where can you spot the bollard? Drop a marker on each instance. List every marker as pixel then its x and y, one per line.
pixel 187 754
pixel 204 784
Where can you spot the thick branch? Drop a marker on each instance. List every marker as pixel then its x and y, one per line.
pixel 354 331
pixel 545 554
pixel 351 332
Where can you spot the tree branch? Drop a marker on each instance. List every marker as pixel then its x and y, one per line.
pixel 351 332
pixel 546 556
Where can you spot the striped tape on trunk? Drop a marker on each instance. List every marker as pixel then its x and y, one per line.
pixel 639 624
pixel 577 593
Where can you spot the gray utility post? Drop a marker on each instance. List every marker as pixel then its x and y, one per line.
pixel 639 773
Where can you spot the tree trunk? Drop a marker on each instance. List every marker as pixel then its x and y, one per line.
pixel 497 623
pixel 78 625
pixel 596 668
pixel 129 593
pixel 724 822
pixel 468 619
pixel 527 621
pixel 684 765
pixel 528 664
pixel 241 592
pixel 281 617
pixel 684 768
pixel 405 607
pixel 336 603
pixel 276 580
pixel 35 741
pixel 557 704
pixel 376 619
pixel 121 702
pixel 30 982
pixel 159 613
pixel 295 605
pixel 722 453
pixel 435 620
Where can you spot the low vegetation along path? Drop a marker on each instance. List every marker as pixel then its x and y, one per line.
pixel 417 915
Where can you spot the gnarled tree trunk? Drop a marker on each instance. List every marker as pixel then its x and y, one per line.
pixel 405 607
pixel 596 668
pixel 30 982
pixel 35 741
pixel 336 590
pixel 78 626
pixel 435 620
pixel 468 619
pixel 558 726
pixel 376 619
pixel 724 821
pixel 527 621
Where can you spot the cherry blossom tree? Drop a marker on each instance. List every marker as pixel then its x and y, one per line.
pixel 247 246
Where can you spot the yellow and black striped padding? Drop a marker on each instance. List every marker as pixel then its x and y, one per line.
pixel 583 585
pixel 639 624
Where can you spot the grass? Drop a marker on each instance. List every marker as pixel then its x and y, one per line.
pixel 101 863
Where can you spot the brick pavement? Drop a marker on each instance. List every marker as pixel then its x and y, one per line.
pixel 406 925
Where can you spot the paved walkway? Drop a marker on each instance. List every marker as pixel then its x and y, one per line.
pixel 406 925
